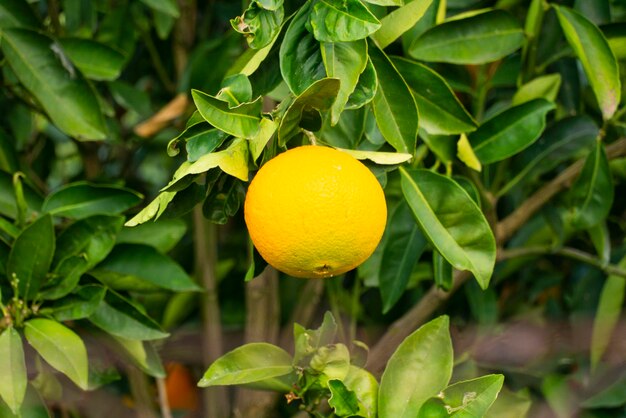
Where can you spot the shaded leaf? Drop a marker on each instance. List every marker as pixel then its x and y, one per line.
pixel 365 89
pixel 94 59
pixel 477 39
pixel 143 354
pixel 8 206
pixel 419 369
pixel 12 369
pixel 169 7
pixel 442 272
pixel 60 347
pixel 259 25
pixel 246 364
pixel 451 221
pixel 81 199
pixel 341 20
pixel 81 304
pixel 17 13
pixel 162 235
pixel 241 121
pixel 64 94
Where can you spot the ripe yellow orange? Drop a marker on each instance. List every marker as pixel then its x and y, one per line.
pixel 315 212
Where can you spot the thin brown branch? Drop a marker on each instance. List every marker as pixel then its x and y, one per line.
pixel 164 403
pixel 172 110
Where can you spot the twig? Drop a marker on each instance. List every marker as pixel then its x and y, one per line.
pixel 164 403
pixel 172 110
pixel 141 393
pixel 158 63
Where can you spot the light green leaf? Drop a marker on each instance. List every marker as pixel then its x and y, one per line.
pixel 341 21
pixel 420 368
pixel 62 92
pixel 300 56
pixel 511 131
pixel 510 405
pixel 267 128
pixel 60 347
pixel 442 272
pixel 543 87
pixel 12 369
pixel 383 158
pixel 477 39
pixel 591 195
pixel 466 153
pixel 441 112
pixel 153 210
pixel 169 7
pixel 94 59
pixel 472 398
pixel 601 240
pixel 365 386
pixel 31 256
pixel 81 199
pixel 241 121
pixel 270 4
pixel 128 263
pixel 597 58
pixel 452 222
pixel 143 354
pixel 345 61
pixel 8 206
pixel 607 315
pixel 394 107
pixel 260 26
pixel 343 401
pixel 247 364
pixel 248 62
pixel 385 2
pixel 399 21
pixel 162 235
pixel 616 36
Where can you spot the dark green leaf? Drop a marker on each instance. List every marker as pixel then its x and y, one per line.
pixel 31 256
pixel 17 13
pixel 593 51
pixel 241 121
pixel 452 222
pixel 394 106
pixel 341 21
pixel 319 96
pixel 12 369
pixel 404 246
pixel 224 200
pixel 441 112
pixel 601 240
pixel 202 140
pixel 143 354
pixel 345 61
pixel 81 200
pixel 94 59
pixel 162 235
pixel 260 26
pixel 365 88
pixel 472 398
pixel 442 272
pixel 477 39
pixel 343 401
pixel 8 156
pixel 483 303
pixel 399 21
pixel 236 89
pixel 128 263
pixel 591 195
pixel 246 364
pixel 65 96
pixel 60 347
pixel 300 56
pixel 120 318
pixel 511 131
pixel 169 7
pixel 130 97
pixel 419 369
pixel 615 34
pixel 560 142
pixel 79 305
pixel 612 396
pixel 7 197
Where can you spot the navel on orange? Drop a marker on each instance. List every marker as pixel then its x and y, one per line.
pixel 315 212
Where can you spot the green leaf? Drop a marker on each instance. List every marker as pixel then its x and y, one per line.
pixel 241 121
pixel 441 112
pixel 130 97
pixel 236 89
pixel 385 2
pixel 94 59
pixel 511 131
pixel 307 341
pixel 32 407
pixel 81 304
pixel 8 155
pixel 399 21
pixel 117 316
pixel 560 142
pixel 510 405
pixel 143 354
pixel 477 39
pixel 267 128
pixel 345 61
pixel 260 26
pixel 591 195
pixel 451 221
pixel 601 240
pixel 128 263
pixel 202 140
pixel 60 347
pixel 169 7
pixel 270 4
pixel 81 199
pixel 249 363
pixel 343 401
pixel 8 206
pixel 318 96
pixel 248 62
pixel 381 158
pixel 442 272
pixel 341 21
pixel 472 398
pixel 616 36
pixel 17 13
pixel 466 153
pixel 153 210
pixel 394 107
pixel 31 256
pixel 365 89
pixel 331 361
pixel 607 315
pixel 300 56
pixel 543 87
pixel 12 369
pixel 66 97
pixel 611 396
pixel 365 386
pixel 419 369
pixel 404 244
pixel 597 58
pixel 162 235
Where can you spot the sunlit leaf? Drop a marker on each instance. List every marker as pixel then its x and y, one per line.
pixel 341 20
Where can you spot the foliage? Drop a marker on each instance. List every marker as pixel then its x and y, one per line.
pixel 497 129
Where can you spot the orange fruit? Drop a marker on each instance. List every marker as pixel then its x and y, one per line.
pixel 315 212
pixel 182 392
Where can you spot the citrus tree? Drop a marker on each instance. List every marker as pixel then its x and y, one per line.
pixel 486 138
